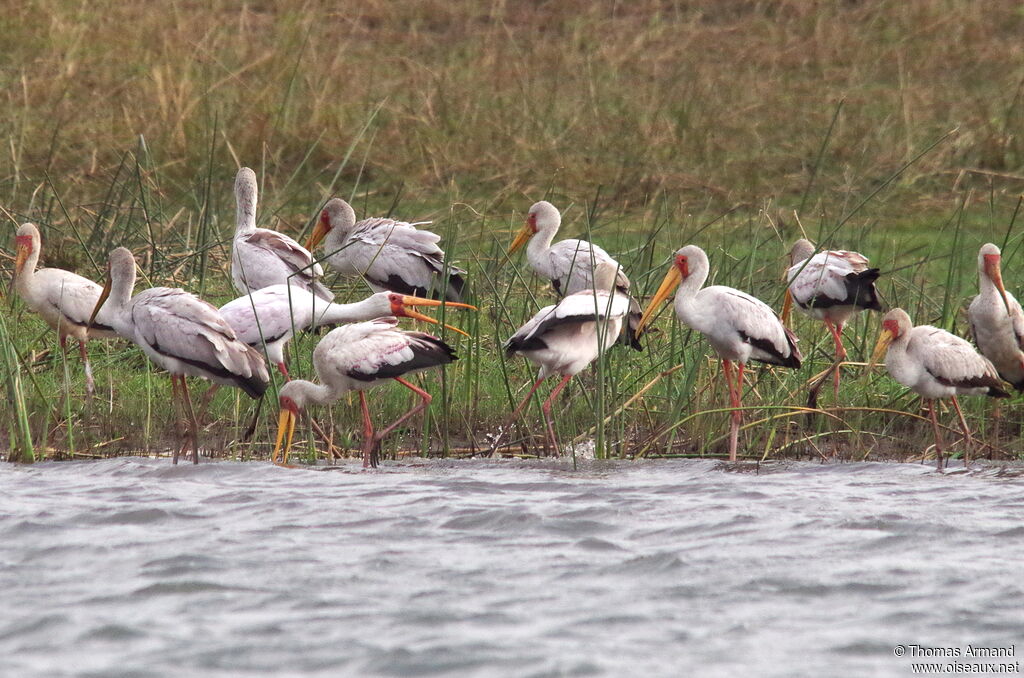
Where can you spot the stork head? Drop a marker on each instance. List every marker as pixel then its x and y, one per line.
pixel 401 305
pixel 802 250
pixel 26 242
pixel 291 398
pixel 990 266
pixel 336 215
pixel 682 264
pixel 543 216
pixel 895 325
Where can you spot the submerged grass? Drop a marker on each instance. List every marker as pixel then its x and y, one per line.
pixel 892 128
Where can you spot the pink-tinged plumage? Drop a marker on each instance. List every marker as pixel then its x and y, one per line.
pixel 390 255
pixel 935 364
pixel 359 357
pixel 261 257
pixel 62 298
pixel 997 321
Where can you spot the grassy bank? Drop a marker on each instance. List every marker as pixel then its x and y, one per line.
pixel 895 128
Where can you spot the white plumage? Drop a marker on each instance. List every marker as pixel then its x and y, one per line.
pixel 390 255
pixel 738 326
pixel 180 333
pixel 831 286
pixel 271 316
pixel 935 364
pixel 566 337
pixel 62 298
pixel 569 264
pixel 261 257
pixel 997 321
pixel 356 358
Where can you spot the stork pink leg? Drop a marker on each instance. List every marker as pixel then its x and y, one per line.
pixel 179 409
pixel 546 408
pixel 425 398
pixel 193 423
pixel 283 369
pixel 511 419
pixel 367 430
pixel 837 335
pixel 968 441
pixel 90 385
pixel 935 429
pixel 734 402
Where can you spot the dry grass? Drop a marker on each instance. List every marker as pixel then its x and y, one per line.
pixel 724 102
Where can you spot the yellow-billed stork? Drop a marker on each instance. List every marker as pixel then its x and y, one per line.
pixel 63 299
pixel 997 321
pixel 569 264
pixel 831 286
pixel 390 255
pixel 180 333
pixel 359 357
pixel 935 364
pixel 566 337
pixel 738 326
pixel 261 257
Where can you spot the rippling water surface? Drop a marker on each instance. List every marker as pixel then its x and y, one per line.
pixel 132 567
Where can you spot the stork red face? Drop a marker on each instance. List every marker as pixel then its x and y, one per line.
pixel 994 272
pixel 524 235
pixel 401 307
pixel 677 272
pixel 683 264
pixel 320 231
pixel 890 332
pixel 23 246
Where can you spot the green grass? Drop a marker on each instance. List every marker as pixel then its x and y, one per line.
pixel 892 128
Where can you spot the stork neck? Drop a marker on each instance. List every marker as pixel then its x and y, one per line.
pixel 540 243
pixel 122 284
pixel 312 394
pixel 23 281
pixel 367 309
pixel 245 214
pixel 986 287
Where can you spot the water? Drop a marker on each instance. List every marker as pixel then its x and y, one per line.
pixel 132 567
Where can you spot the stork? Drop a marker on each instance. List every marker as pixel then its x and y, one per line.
pixel 180 333
pixel 831 286
pixel 738 326
pixel 569 264
pixel 261 257
pixel 359 357
pixel 566 337
pixel 935 364
pixel 269 317
pixel 390 255
pixel 63 299
pixel 997 321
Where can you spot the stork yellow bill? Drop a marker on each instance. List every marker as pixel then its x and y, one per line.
pixel 285 431
pixel 401 307
pixel 525 233
pixel 673 277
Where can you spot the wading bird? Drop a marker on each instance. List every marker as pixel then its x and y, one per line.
pixel 831 286
pixel 390 255
pixel 569 264
pixel 271 316
pixel 738 326
pixel 261 257
pixel 566 337
pixel 63 299
pixel 356 358
pixel 997 321
pixel 935 364
pixel 182 334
